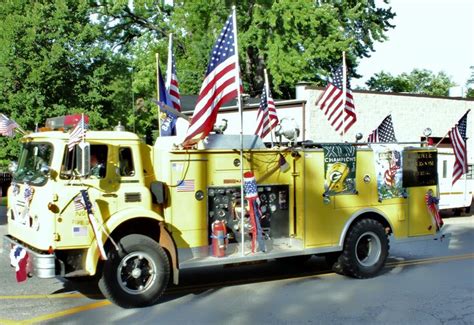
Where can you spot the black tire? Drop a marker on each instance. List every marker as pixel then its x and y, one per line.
pixel 365 249
pixel 137 275
pixel 332 261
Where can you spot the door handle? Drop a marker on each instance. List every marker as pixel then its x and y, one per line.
pixel 109 195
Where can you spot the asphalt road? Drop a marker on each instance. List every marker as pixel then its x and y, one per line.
pixel 425 281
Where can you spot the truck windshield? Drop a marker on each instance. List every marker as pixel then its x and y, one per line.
pixel 32 157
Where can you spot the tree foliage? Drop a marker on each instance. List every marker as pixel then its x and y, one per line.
pixel 294 40
pixel 60 57
pixel 470 84
pixel 53 62
pixel 419 81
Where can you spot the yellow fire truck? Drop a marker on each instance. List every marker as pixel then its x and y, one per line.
pixel 152 211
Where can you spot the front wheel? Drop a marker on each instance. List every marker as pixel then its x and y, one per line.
pixel 137 275
pixel 365 249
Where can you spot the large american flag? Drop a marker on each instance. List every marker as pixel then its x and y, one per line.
pixel 219 86
pixel 7 126
pixel 77 134
pixel 331 103
pixel 384 132
pixel 267 118
pixel 458 142
pixel 172 79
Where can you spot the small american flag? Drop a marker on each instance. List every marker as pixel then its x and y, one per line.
pixel 331 103
pixel 220 84
pixel 77 134
pixel 458 142
pixel 171 78
pixel 267 118
pixel 28 194
pixel 384 132
pixel 185 185
pixel 7 126
pixel 79 203
pixel 80 231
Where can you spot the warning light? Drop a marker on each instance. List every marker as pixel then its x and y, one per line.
pixel 64 122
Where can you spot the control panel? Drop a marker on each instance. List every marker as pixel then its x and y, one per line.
pixel 224 203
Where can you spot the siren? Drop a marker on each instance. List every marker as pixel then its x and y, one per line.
pixel 65 122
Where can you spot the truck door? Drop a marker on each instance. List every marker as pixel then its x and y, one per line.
pixel 73 222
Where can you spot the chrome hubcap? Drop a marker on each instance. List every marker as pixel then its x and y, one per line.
pixel 368 249
pixel 136 273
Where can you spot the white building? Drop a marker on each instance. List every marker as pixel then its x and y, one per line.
pixel 411 115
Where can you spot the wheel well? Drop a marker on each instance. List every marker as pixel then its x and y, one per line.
pixel 143 226
pixel 374 216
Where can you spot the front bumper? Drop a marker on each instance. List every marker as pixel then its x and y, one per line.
pixel 43 265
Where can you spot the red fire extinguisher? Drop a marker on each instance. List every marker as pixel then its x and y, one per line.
pixel 219 238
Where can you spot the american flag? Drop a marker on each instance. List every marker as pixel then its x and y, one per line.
pixel 168 123
pixel 458 142
pixel 220 84
pixel 77 134
pixel 7 126
pixel 185 185
pixel 267 118
pixel 331 102
pixel 384 132
pixel 172 79
pixel 79 204
pixel 28 194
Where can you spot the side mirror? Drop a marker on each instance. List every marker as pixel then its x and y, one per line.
pixel 44 169
pixel 83 158
pixel 12 167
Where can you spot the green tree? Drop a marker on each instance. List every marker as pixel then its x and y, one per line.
pixel 470 84
pixel 419 81
pixel 53 61
pixel 294 40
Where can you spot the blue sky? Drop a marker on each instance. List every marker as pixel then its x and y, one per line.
pixel 437 35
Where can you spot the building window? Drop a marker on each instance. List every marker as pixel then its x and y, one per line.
pixel 445 168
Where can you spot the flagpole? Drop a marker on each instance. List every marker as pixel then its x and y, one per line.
pixel 267 91
pixel 83 128
pixel 169 67
pixel 239 104
pixel 344 93
pixel 157 57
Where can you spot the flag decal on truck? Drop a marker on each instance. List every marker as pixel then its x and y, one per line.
pixel 185 185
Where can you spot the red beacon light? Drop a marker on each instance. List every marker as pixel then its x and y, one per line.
pixel 64 122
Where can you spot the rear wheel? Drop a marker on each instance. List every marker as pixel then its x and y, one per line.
pixel 365 249
pixel 137 275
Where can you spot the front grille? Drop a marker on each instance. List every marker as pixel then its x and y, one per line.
pixel 133 197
